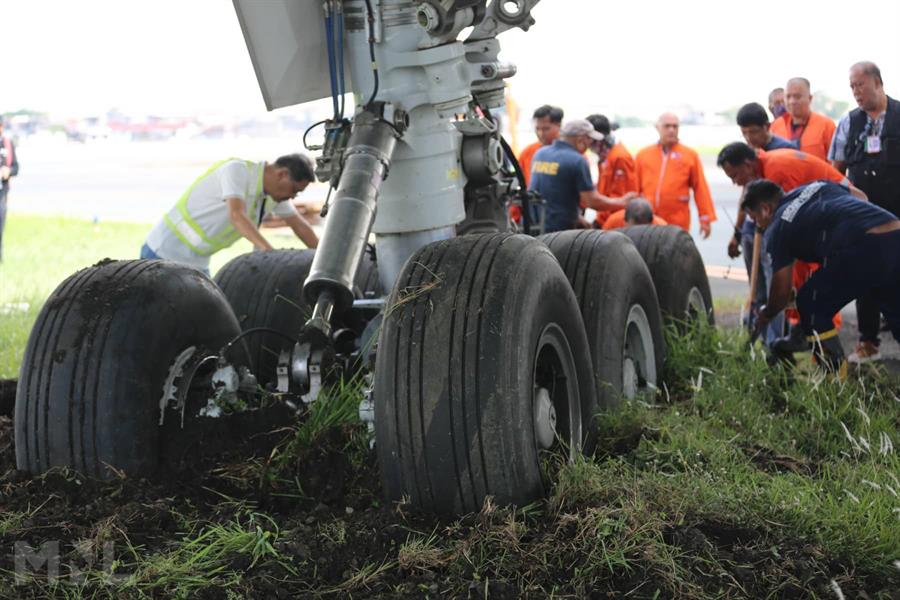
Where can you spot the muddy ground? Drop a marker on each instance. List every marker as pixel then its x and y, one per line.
pixel 342 540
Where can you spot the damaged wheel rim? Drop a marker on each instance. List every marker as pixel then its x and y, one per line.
pixel 639 361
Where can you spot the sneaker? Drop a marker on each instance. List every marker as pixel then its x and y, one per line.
pixel 865 352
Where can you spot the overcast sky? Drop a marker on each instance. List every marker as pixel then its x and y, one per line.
pixel 636 57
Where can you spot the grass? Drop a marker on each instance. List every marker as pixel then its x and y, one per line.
pixel 40 252
pixel 202 559
pixel 740 481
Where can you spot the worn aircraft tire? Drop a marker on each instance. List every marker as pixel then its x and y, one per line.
pixel 482 334
pixel 97 359
pixel 265 289
pixel 367 283
pixel 677 270
pixel 620 311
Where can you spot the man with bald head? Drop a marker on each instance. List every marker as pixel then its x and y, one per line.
pixel 810 131
pixel 867 146
pixel 667 172
pixel 638 212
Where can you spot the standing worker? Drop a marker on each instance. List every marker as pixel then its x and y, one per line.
pixel 547 122
pixel 617 175
pixel 562 176
pixel 9 167
pixel 867 146
pixel 756 129
pixel 810 131
pixel 666 174
pixel 229 202
pixel 822 222
pixel 776 102
pixel 753 120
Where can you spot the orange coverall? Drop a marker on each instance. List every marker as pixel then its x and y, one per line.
pixel 524 158
pixel 666 181
pixel 617 177
pixel 617 220
pixel 815 137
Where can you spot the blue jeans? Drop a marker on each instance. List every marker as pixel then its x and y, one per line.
pixel 147 252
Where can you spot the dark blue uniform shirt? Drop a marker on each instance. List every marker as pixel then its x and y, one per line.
pixel 777 143
pixel 560 173
pixel 818 220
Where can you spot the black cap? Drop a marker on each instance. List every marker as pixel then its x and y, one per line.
pixel 600 123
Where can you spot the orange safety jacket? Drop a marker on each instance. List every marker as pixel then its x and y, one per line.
pixel 524 158
pixel 617 220
pixel 617 177
pixel 666 181
pixel 792 168
pixel 814 137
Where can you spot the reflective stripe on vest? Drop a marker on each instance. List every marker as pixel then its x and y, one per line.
pixel 190 233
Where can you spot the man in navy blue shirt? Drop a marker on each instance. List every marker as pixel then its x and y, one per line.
pixel 560 173
pixel 857 244
pixel 754 123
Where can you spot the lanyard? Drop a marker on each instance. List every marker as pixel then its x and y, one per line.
pixel 799 138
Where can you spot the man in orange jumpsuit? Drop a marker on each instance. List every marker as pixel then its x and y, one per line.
pixel 618 178
pixel 547 121
pixel 810 131
pixel 666 174
pixel 638 212
pixel 789 169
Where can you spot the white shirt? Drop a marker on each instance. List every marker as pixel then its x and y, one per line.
pixel 208 206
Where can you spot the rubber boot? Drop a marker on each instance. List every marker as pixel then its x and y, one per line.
pixel 795 341
pixel 829 354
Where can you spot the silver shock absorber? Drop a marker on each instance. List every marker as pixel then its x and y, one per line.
pixel 350 217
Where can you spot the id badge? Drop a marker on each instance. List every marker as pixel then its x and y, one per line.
pixel 873 144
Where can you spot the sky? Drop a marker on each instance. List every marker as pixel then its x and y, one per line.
pixel 183 57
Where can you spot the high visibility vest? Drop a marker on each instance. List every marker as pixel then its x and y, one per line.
pixel 183 225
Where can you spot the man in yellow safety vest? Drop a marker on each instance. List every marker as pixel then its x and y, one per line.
pixel 229 202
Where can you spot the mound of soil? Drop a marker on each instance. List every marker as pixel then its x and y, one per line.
pixel 336 536
pixel 7 397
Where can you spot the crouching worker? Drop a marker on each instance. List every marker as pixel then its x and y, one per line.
pixel 857 244
pixel 638 212
pixel 229 202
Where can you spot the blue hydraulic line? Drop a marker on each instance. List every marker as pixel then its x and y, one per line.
pixel 332 68
pixel 340 60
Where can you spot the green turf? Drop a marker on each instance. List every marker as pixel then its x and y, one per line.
pixel 41 252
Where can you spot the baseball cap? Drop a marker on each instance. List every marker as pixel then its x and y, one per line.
pixel 577 127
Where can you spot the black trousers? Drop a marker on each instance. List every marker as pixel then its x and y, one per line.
pixel 869 269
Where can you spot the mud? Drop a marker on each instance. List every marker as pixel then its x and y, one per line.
pixel 7 397
pixel 333 524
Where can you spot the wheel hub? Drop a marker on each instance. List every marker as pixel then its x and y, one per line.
pixel 696 305
pixel 544 418
pixel 630 379
pixel 639 360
